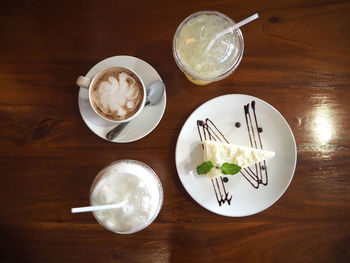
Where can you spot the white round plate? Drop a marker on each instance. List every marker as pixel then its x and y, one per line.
pixel 144 123
pixel 224 112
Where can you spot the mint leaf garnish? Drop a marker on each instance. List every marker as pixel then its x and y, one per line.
pixel 205 167
pixel 230 168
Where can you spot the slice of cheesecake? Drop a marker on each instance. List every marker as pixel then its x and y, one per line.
pixel 219 153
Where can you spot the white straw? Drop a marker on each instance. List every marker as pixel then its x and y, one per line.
pixel 97 207
pixel 230 29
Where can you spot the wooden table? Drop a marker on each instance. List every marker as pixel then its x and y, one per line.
pixel 297 58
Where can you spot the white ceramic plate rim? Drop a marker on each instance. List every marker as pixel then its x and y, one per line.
pixel 188 187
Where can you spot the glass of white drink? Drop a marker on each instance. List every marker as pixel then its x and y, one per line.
pixel 191 40
pixel 133 182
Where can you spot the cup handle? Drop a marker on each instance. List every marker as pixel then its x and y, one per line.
pixel 83 82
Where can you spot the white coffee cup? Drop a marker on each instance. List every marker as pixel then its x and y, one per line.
pixel 90 84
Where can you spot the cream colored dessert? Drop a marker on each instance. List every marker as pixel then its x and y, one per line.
pixel 219 153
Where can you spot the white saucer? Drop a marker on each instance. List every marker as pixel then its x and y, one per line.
pixel 276 135
pixel 144 123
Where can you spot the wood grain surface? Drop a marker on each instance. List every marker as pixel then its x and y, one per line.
pixel 297 58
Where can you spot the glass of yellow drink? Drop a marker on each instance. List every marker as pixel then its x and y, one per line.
pixel 191 40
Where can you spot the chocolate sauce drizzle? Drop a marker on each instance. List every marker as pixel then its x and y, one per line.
pixel 208 131
pixel 260 175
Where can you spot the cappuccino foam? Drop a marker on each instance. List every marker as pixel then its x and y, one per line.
pixel 117 94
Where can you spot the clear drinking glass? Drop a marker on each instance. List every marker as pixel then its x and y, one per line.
pixel 128 180
pixel 191 40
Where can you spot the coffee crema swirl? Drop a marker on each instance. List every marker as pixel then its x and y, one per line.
pixel 117 94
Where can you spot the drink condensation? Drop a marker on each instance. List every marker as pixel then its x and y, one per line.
pixel 131 181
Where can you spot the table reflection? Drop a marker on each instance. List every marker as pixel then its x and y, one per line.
pixel 323 127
